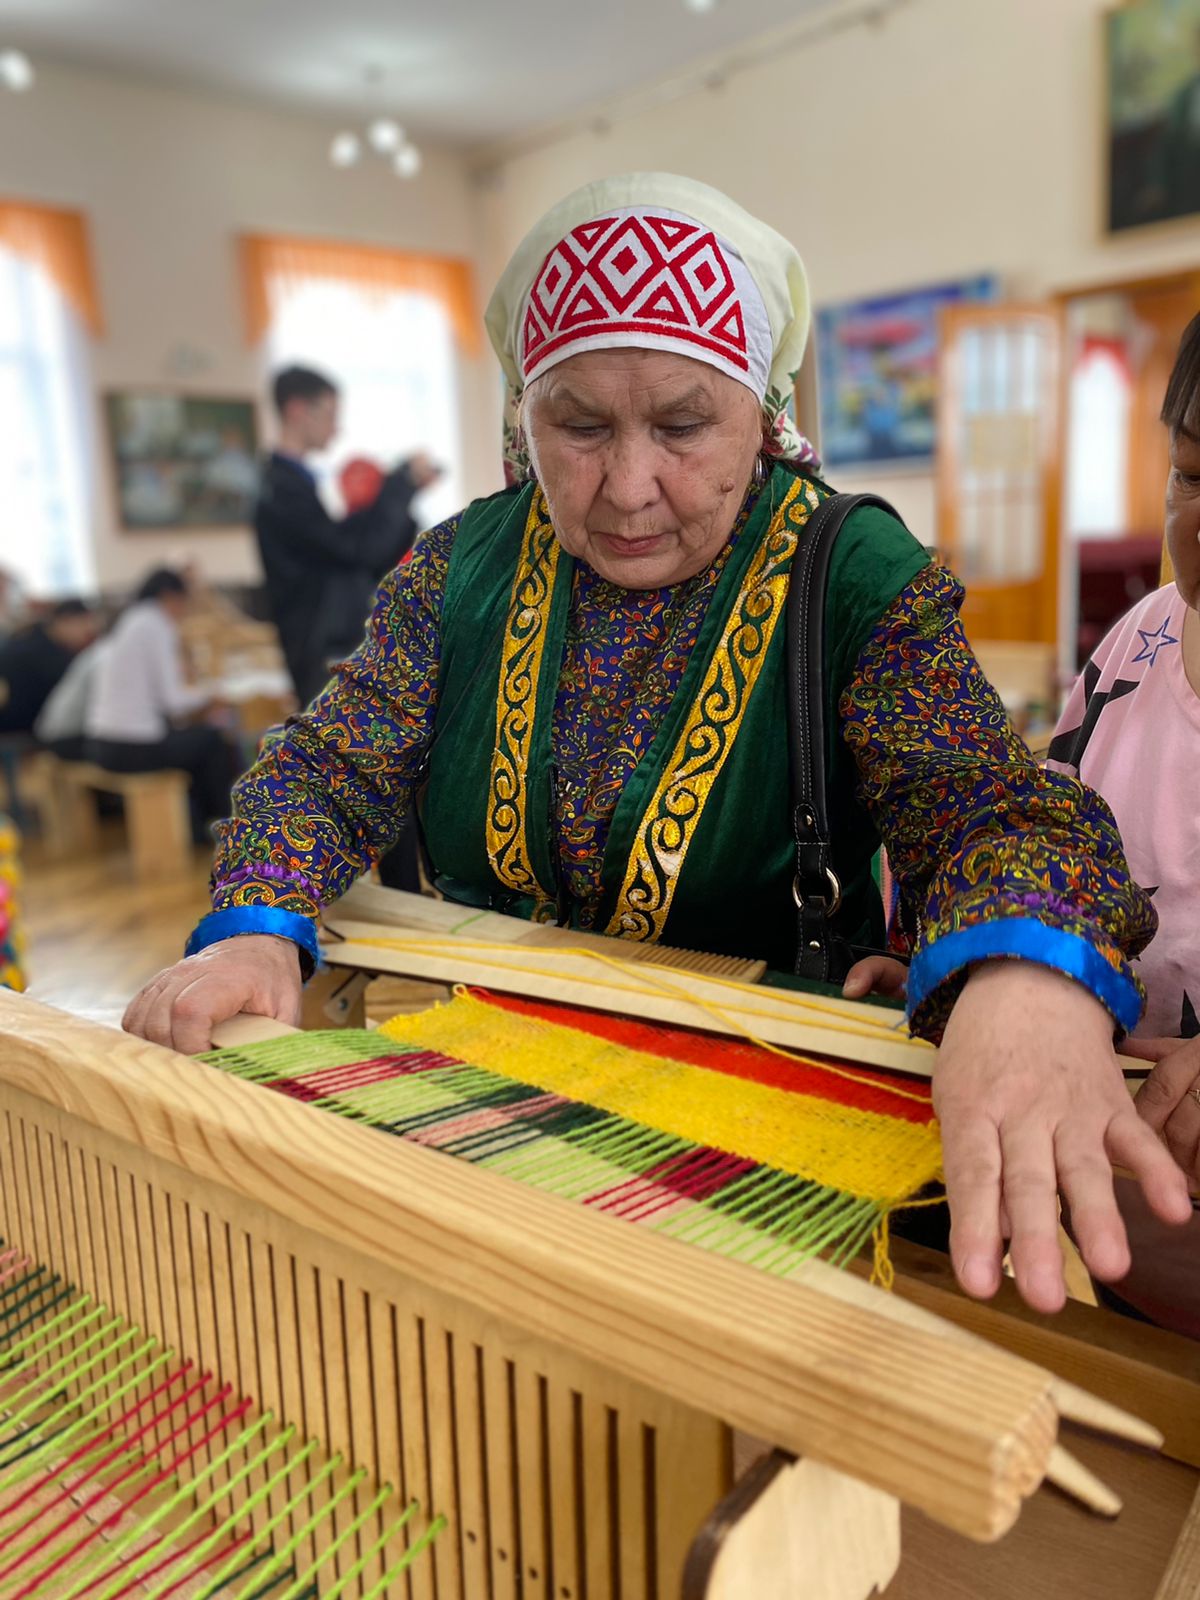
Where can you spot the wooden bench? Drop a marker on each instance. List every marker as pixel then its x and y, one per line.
pixel 156 814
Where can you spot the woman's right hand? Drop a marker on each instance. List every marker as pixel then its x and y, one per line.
pixel 179 1008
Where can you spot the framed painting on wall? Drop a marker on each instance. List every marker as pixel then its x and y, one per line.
pixel 1153 112
pixel 878 365
pixel 182 461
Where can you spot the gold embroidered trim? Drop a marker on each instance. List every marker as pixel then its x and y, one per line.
pixel 669 822
pixel 522 650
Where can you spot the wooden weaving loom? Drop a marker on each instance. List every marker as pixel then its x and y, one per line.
pixel 511 1396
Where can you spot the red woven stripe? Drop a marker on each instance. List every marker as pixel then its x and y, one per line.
pixel 359 1074
pixel 730 1056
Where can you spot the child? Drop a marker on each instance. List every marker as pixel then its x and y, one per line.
pixel 1131 730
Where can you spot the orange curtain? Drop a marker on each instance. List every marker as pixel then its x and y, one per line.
pixel 58 241
pixel 269 262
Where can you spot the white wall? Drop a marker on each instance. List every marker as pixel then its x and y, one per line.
pixel 962 136
pixel 167 179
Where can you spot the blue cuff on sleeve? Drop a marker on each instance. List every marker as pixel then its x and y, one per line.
pixel 255 919
pixel 1029 940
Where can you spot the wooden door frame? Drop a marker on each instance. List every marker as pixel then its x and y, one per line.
pixel 1053 492
pixel 1165 282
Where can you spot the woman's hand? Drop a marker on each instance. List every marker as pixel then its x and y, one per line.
pixel 1031 1103
pixel 1166 1102
pixel 876 975
pixel 180 1007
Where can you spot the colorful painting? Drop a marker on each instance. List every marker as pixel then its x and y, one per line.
pixel 1153 112
pixel 878 364
pixel 182 461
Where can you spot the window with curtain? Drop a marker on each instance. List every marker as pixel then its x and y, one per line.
pixel 47 305
pixel 387 328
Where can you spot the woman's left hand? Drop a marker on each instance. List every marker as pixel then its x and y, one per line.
pixel 879 975
pixel 1166 1101
pixel 1032 1103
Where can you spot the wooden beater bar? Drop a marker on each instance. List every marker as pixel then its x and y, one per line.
pixel 386 931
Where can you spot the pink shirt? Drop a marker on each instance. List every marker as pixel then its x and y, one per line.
pixel 1131 730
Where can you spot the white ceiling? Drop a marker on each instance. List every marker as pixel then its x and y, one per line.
pixel 463 70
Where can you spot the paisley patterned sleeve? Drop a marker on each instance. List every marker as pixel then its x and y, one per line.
pixel 329 790
pixel 994 856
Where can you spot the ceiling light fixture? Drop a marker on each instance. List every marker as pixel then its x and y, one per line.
pixel 700 6
pixel 345 149
pixel 16 70
pixel 385 135
pixel 386 138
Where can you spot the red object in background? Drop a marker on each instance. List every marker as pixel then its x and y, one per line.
pixel 360 482
pixel 1114 574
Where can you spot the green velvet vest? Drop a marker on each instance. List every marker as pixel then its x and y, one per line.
pixel 700 851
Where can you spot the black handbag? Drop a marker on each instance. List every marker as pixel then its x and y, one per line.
pixel 821 953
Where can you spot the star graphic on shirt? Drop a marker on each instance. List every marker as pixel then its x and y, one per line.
pixel 1152 643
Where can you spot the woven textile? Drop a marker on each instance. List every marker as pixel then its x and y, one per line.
pixel 725 1145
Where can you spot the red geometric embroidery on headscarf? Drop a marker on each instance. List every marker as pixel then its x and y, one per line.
pixel 638 274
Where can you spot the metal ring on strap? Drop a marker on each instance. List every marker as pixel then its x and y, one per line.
pixel 834 899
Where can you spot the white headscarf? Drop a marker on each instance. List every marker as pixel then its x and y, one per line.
pixel 654 261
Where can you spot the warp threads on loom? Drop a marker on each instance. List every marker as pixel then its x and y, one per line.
pixel 714 1142
pixel 126 1472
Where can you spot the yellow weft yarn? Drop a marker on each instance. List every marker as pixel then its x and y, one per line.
pixel 882 1159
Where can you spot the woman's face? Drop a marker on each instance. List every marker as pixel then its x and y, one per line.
pixel 1183 515
pixel 645 458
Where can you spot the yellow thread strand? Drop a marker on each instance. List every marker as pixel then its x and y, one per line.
pixel 859 1026
pixel 709 1007
pixel 883 1272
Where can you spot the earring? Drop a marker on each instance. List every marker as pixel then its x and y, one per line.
pixel 760 472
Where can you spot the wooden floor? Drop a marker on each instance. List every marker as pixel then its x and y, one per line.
pixel 93 936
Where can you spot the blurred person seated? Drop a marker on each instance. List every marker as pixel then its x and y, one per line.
pixel 321 573
pixel 61 724
pixel 139 703
pixel 36 658
pixel 13 603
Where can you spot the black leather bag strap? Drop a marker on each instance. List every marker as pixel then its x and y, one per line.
pixel 816 890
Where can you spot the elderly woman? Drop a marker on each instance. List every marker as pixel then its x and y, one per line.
pixel 581 684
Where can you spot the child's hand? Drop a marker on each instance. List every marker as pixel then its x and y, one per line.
pixel 877 975
pixel 1169 1100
